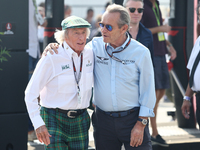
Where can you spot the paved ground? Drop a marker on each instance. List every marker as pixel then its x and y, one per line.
pixel 167 127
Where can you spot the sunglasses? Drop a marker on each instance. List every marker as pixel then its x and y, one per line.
pixel 132 10
pixel 108 27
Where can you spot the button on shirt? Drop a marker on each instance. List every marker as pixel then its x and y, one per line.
pixel 54 81
pixel 195 51
pixel 119 87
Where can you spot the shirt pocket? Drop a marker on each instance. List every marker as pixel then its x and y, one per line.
pixel 89 81
pixel 66 84
pixel 128 73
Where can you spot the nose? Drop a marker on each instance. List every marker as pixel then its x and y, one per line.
pixel 103 29
pixel 82 36
pixel 136 12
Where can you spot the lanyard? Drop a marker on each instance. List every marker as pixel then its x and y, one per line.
pixel 157 14
pixel 115 58
pixel 75 73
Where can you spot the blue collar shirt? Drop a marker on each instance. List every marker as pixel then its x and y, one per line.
pixel 120 87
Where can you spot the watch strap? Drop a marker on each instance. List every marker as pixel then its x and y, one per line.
pixel 144 121
pixel 187 98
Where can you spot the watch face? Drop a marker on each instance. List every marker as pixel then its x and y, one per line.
pixel 144 121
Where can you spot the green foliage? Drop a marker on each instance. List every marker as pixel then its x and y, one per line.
pixel 3 54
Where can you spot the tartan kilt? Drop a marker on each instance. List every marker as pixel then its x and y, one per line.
pixel 67 133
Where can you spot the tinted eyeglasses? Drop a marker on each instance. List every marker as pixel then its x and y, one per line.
pixel 132 10
pixel 108 27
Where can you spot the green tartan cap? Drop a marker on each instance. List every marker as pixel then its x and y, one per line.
pixel 74 22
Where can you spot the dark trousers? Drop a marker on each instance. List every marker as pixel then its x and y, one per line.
pixel 110 133
pixel 198 108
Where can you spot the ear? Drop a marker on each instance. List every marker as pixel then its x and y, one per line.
pixel 124 28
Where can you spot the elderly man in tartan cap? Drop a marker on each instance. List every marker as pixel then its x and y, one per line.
pixel 64 83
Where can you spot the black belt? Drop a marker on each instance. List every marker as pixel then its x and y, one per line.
pixel 71 113
pixel 119 113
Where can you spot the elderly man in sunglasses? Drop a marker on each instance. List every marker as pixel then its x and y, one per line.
pixel 124 92
pixel 137 29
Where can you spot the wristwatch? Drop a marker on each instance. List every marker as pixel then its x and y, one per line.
pixel 144 121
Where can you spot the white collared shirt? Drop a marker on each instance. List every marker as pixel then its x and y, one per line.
pixel 195 51
pixel 53 79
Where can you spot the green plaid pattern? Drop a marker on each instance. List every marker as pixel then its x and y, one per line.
pixel 67 133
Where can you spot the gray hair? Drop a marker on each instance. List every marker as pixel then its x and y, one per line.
pixel 124 15
pixel 60 35
pixel 134 1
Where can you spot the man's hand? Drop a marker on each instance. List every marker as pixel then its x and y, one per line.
pixel 165 28
pixel 45 23
pixel 93 105
pixel 186 109
pixel 137 134
pixel 172 52
pixel 43 135
pixel 51 47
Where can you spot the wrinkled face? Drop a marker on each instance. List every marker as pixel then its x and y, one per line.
pixel 136 16
pixel 76 38
pixel 115 35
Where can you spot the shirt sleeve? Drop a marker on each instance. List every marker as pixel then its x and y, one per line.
pixel 147 97
pixel 91 45
pixel 40 77
pixel 193 54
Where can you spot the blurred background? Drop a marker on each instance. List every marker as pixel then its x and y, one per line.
pixel 79 8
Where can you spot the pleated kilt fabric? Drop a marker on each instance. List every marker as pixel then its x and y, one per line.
pixel 67 133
